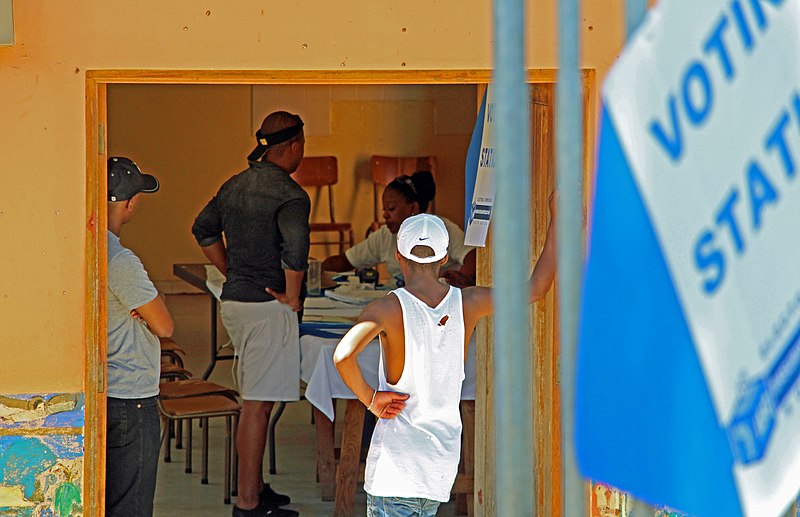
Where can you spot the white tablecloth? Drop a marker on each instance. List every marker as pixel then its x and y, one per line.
pixel 316 353
pixel 325 384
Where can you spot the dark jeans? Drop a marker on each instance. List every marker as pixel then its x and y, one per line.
pixel 132 447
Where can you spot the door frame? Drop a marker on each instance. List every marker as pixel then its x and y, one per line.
pixel 96 238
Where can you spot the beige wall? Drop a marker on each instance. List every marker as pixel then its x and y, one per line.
pixel 42 133
pixel 193 137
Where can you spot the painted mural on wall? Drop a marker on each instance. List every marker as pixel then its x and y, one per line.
pixel 663 511
pixel 608 501
pixel 41 455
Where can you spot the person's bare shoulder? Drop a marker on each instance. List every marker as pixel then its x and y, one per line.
pixel 383 310
pixel 475 294
pixel 477 301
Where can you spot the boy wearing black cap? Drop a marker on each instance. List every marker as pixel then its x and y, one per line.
pixel 263 214
pixel 424 331
pixel 137 315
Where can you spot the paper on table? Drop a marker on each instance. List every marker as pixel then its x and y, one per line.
pixel 327 309
pixel 355 296
pixel 320 302
pixel 214 280
pixel 332 315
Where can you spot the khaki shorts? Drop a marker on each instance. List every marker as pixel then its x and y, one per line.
pixel 266 339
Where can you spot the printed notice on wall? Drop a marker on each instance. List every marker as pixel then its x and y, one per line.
pixel 706 104
pixel 480 212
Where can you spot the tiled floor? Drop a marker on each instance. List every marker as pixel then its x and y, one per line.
pixel 181 494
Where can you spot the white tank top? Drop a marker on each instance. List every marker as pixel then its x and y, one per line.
pixel 417 453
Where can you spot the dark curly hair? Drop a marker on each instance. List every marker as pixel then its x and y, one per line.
pixel 419 188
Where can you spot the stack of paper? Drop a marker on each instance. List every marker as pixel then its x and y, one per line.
pixel 355 296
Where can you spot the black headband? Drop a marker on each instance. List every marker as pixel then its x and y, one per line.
pixel 266 140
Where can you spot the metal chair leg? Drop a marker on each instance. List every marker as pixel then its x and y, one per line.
pixel 235 463
pixel 179 434
pixel 168 439
pixel 204 478
pixel 188 468
pixel 227 481
pixel 164 434
pixel 272 423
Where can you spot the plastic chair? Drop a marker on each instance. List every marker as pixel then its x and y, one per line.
pixel 387 168
pixel 319 172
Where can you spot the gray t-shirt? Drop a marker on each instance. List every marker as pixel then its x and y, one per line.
pixel 134 353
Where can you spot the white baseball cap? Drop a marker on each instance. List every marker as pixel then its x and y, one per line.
pixel 423 230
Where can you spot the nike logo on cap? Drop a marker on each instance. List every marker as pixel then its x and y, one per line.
pixel 424 238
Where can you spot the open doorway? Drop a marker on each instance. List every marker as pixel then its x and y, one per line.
pixel 100 86
pixel 194 137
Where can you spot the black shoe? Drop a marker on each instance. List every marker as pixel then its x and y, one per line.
pixel 263 511
pixel 272 499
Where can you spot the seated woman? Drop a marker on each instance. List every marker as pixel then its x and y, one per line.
pixel 403 197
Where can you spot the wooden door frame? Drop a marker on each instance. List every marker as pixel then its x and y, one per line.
pixel 96 236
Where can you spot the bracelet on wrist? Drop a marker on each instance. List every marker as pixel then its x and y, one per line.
pixel 369 408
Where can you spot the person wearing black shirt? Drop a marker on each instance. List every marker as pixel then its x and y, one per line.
pixel 263 215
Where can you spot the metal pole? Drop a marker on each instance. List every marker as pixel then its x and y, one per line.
pixel 511 258
pixel 569 231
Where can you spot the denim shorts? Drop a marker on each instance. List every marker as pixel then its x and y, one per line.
pixel 400 506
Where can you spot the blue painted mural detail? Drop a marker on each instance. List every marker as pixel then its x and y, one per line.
pixel 49 411
pixel 664 511
pixel 41 455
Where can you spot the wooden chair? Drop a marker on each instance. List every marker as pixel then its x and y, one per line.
pixel 386 168
pixel 320 172
pixel 183 388
pixel 171 352
pixel 171 372
pixel 205 407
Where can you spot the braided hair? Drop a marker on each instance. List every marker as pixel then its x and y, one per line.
pixel 416 188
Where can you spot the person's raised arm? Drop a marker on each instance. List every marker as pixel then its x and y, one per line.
pixel 383 404
pixel 366 253
pixel 207 231
pixel 291 297
pixel 465 275
pixel 157 316
pixel 292 220
pixel 337 263
pixel 478 300
pixel 545 269
pixel 217 255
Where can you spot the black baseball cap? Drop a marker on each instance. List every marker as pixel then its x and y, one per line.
pixel 125 180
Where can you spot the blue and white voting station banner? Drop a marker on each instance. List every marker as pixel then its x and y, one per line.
pixel 479 175
pixel 689 351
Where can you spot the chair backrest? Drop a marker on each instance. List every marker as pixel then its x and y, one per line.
pixel 319 171
pixel 387 168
